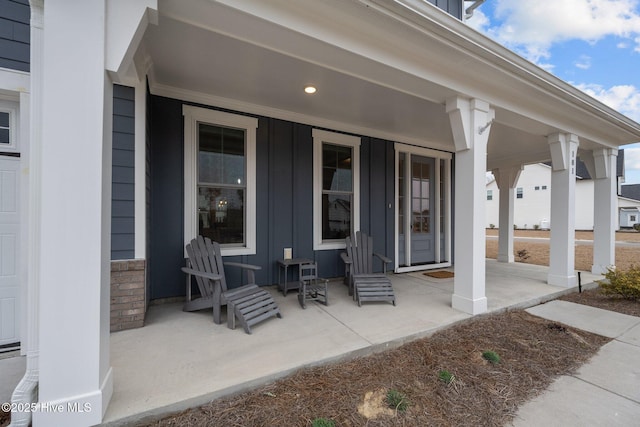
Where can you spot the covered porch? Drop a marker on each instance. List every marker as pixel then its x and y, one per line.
pixel 179 360
pixel 387 73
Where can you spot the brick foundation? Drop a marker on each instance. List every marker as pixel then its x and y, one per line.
pixel 128 300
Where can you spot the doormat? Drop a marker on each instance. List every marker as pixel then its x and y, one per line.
pixel 441 274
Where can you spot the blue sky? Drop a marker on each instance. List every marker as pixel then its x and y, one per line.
pixel 592 44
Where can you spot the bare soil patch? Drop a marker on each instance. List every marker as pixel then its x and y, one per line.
pixel 621 236
pixel 538 252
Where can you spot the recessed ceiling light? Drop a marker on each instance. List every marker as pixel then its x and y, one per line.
pixel 310 89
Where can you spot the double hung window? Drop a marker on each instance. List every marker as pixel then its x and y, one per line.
pixel 220 193
pixel 336 188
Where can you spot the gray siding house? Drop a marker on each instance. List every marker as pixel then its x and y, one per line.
pixel 128 128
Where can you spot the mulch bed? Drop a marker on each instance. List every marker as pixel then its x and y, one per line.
pixel 594 298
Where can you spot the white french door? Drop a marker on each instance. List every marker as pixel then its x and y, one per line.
pixel 423 208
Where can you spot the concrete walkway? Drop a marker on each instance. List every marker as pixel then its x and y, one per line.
pixel 603 392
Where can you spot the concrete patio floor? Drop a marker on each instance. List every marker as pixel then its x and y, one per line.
pixel 179 360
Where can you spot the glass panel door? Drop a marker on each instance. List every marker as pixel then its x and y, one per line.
pixel 422 210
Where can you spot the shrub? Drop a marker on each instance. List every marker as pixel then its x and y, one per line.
pixel 492 226
pixel 446 376
pixel 322 422
pixel 625 284
pixel 523 255
pixel 397 400
pixel 491 356
pixel 536 226
pixel 515 227
pixel 636 226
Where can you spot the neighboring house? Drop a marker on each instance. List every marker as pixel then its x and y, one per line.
pixel 629 205
pixel 532 207
pixel 136 125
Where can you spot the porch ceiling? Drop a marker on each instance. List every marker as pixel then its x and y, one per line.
pixel 379 72
pixel 236 74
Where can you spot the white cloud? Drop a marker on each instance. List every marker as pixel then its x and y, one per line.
pixel 632 163
pixel 532 27
pixel 632 157
pixel 623 98
pixel 584 62
pixel 479 21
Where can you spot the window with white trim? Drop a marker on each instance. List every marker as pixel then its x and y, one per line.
pixel 336 184
pixel 8 128
pixel 220 181
pixel 489 194
pixel 632 218
pixel 519 193
pixel 5 128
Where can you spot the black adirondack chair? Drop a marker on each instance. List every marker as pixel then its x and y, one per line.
pixel 249 303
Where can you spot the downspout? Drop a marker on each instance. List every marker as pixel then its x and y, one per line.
pixel 27 390
pixel 468 12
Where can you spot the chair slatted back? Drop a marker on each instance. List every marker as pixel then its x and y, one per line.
pixel 360 251
pixel 204 255
pixel 308 272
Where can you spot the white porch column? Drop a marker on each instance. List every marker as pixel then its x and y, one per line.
pixel 602 168
pixel 470 123
pixel 564 149
pixel 506 178
pixel 75 376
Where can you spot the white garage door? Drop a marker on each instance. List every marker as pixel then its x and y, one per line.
pixel 9 241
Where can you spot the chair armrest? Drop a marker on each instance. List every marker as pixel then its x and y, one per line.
pixel 245 266
pixel 204 274
pixel 251 277
pixel 345 258
pixel 383 258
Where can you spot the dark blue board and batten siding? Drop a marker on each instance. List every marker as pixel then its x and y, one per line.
pixel 284 175
pixel 453 7
pixel 15 16
pixel 123 168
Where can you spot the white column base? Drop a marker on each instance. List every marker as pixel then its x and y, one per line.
pixel 466 305
pixel 562 281
pixel 506 258
pixel 80 410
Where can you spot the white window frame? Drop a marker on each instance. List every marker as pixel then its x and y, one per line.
pixel 11 108
pixel 489 195
pixel 192 117
pixel 320 137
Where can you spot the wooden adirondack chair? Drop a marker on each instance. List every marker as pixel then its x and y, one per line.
pixel 249 303
pixel 364 284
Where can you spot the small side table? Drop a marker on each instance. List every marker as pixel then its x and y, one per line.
pixel 284 264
